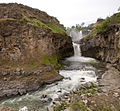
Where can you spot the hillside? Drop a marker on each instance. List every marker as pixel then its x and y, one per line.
pixel 31 43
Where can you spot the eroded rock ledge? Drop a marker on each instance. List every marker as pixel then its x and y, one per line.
pixel 31 43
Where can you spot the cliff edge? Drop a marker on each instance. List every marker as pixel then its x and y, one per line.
pixel 31 43
pixel 103 42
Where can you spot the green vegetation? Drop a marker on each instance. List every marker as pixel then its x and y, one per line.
pixel 34 64
pixel 79 106
pixel 38 23
pixel 58 66
pixel 92 89
pixel 104 26
pixel 50 59
pixel 61 107
pixel 34 22
pixel 55 28
pixel 80 27
pixel 92 33
pixel 106 109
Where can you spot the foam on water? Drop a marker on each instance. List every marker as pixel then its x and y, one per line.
pixel 72 79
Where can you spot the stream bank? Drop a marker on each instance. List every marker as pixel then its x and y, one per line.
pixel 103 96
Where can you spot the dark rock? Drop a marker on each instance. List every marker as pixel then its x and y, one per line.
pixel 43 96
pixel 83 78
pixel 103 46
pixel 67 78
pixel 59 91
pixel 49 99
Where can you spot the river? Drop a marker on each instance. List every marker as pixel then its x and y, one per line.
pixel 76 70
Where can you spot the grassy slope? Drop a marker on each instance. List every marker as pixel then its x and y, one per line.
pixel 38 23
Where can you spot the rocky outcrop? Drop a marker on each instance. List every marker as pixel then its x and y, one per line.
pixel 105 47
pixel 31 43
pixel 88 98
pixel 26 33
pixel 5 108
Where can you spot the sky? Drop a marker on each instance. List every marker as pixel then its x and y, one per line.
pixel 72 12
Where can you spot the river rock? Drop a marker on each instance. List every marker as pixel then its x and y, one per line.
pixel 43 96
pixel 49 99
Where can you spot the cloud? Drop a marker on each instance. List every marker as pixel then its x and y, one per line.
pixel 71 12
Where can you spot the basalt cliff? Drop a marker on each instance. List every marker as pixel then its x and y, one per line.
pixel 103 43
pixel 31 43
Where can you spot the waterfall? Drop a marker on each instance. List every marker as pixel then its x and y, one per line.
pixel 77 51
pixel 76 36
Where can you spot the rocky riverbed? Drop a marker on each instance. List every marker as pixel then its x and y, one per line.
pixel 103 96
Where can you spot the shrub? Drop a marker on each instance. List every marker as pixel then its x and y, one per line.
pixel 103 27
pixel 79 106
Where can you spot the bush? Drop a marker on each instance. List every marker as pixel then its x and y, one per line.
pixel 103 27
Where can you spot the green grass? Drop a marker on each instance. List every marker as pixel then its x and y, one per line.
pixel 62 107
pixel 53 27
pixel 34 64
pixel 106 109
pixel 79 106
pixel 52 59
pixel 103 27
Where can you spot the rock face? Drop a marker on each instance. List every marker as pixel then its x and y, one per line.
pixel 105 47
pixel 31 43
pixel 25 33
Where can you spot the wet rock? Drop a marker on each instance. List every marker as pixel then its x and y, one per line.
pixel 67 78
pixel 44 101
pixel 43 96
pixel 49 99
pixel 56 83
pixel 66 94
pixel 57 99
pixel 59 91
pixel 83 78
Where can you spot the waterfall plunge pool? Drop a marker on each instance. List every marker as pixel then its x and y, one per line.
pixel 74 69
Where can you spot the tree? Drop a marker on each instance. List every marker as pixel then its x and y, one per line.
pixel 119 9
pixel 82 24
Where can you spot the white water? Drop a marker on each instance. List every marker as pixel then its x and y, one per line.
pixel 75 34
pixel 74 69
pixel 77 51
